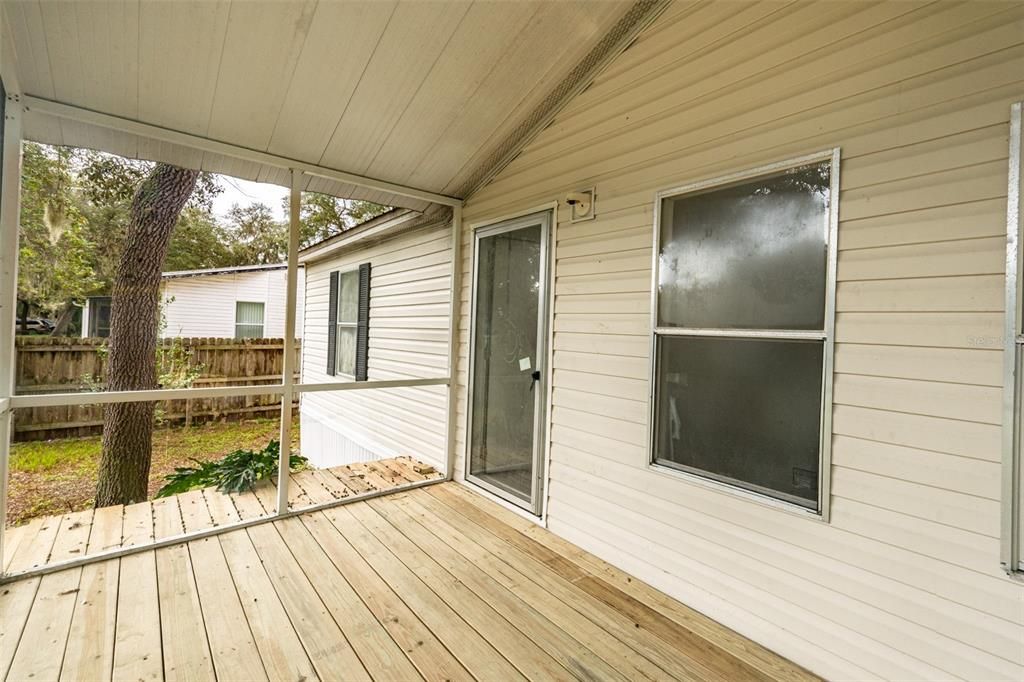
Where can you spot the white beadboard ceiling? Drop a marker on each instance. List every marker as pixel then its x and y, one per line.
pixel 415 92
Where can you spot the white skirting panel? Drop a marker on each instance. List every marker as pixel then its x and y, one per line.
pixel 325 442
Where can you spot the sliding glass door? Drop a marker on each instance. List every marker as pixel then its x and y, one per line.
pixel 507 359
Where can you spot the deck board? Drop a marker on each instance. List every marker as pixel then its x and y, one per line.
pixel 559 607
pixel 521 651
pixel 424 649
pixel 328 648
pixel 435 583
pixel 280 649
pixel 768 662
pixel 512 604
pixel 45 635
pixel 234 651
pixel 559 581
pixel 89 654
pixel 380 654
pixel 32 545
pixel 137 645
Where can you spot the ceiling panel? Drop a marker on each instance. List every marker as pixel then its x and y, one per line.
pixel 524 76
pixel 25 26
pixel 180 46
pixel 261 48
pixel 416 35
pixel 341 40
pixel 450 87
pixel 97 62
pixel 415 92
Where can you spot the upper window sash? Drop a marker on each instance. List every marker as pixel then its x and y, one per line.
pixel 707 302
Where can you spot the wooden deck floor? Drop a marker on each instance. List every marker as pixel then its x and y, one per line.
pixel 435 583
pixel 69 536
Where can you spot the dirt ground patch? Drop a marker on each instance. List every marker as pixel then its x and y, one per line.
pixel 58 476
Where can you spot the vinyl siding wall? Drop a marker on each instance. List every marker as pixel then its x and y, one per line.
pixel 409 300
pixel 204 306
pixel 904 582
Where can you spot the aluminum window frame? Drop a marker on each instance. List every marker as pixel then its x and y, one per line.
pixel 1011 511
pixel 262 325
pixel 822 511
pixel 339 325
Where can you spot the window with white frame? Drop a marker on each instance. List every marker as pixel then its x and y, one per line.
pixel 248 320
pixel 743 309
pixel 1013 471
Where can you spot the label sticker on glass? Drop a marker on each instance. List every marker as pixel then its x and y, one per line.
pixel 524 364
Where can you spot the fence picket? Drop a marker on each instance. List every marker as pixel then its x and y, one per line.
pixel 61 364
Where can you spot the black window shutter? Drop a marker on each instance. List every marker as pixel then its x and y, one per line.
pixel 332 324
pixel 363 327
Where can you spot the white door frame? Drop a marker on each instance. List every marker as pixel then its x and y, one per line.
pixel 537 488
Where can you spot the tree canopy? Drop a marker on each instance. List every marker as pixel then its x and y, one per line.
pixel 75 209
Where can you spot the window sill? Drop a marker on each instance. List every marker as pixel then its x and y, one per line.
pixel 737 492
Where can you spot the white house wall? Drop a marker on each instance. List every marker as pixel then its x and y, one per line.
pixel 204 306
pixel 904 581
pixel 409 295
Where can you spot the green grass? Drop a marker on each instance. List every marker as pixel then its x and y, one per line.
pixel 58 476
pixel 41 456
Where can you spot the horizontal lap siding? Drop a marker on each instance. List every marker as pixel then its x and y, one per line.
pixel 409 292
pixel 905 580
pixel 204 306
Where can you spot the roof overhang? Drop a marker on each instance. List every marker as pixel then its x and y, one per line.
pixel 370 232
pixel 403 103
pixel 234 270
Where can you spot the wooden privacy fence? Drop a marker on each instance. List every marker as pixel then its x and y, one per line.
pixel 59 364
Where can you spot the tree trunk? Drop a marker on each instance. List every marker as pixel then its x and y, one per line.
pixel 131 365
pixel 23 316
pixel 60 327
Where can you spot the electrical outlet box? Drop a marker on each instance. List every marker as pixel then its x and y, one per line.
pixel 581 205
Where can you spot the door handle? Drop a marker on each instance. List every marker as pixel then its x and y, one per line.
pixel 534 378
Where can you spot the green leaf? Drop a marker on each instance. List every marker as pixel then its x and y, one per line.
pixel 237 471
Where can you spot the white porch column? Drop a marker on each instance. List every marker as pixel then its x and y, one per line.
pixel 455 310
pixel 288 378
pixel 10 200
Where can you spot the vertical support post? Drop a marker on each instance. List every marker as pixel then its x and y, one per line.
pixel 288 370
pixel 10 200
pixel 1010 512
pixel 454 310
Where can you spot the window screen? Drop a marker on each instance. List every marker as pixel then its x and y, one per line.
pixel 248 320
pixel 740 335
pixel 99 317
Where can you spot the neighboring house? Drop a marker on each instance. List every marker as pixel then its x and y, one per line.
pixel 377 308
pixel 96 317
pixel 246 301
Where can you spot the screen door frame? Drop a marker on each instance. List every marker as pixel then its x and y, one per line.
pixel 543 218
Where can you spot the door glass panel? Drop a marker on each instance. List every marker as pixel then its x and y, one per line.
pixel 505 360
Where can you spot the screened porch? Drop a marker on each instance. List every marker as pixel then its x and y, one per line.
pixel 435 583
